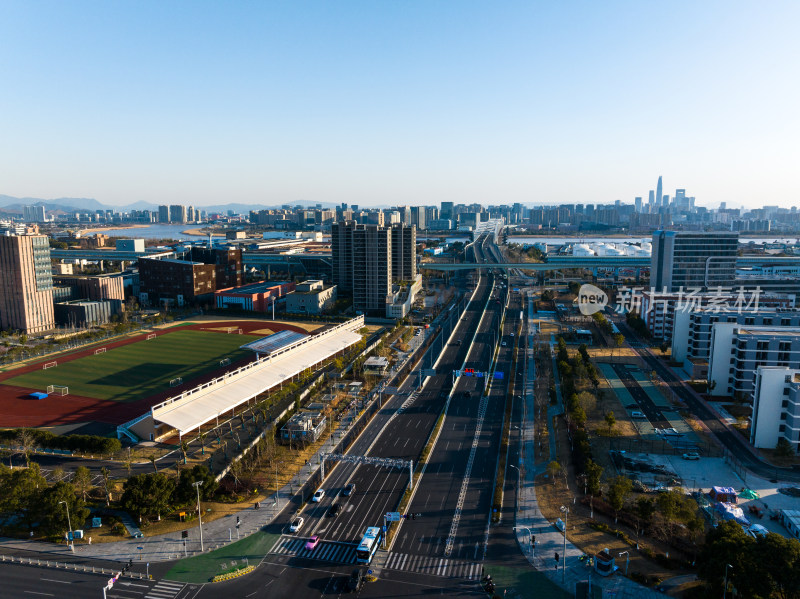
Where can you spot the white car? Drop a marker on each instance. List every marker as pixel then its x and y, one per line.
pixel 692 455
pixel 297 524
pixel 318 496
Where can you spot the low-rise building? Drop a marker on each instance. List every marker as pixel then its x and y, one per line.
pixel 83 313
pixel 776 407
pixel 737 351
pixel 401 300
pixel 311 297
pixel 93 287
pixel 691 335
pixel 303 427
pixel 130 245
pixel 257 297
pixel 376 365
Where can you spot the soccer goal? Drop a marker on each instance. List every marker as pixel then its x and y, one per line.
pixel 224 362
pixel 47 365
pixel 57 390
pixel 150 336
pixel 236 330
pixel 176 382
pixel 100 350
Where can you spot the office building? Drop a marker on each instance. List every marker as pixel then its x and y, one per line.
pixel 737 351
pixel 404 252
pixel 362 264
pixel 447 211
pixel 82 313
pixel 418 217
pixel 693 260
pixel 190 281
pixel 256 297
pixel 93 287
pixel 26 284
pixel 163 214
pixel 776 407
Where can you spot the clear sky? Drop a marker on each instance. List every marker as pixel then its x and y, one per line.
pixel 383 102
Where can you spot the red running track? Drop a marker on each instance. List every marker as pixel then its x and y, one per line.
pixel 18 409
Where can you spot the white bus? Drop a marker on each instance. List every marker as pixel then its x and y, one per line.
pixel 368 545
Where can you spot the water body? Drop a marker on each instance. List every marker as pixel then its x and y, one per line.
pixel 525 239
pixel 155 232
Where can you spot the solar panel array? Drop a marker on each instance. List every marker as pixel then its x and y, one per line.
pixel 274 342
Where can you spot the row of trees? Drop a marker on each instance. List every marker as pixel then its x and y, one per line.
pixel 30 438
pixel 156 493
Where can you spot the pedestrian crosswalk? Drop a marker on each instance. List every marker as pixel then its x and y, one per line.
pixel 164 590
pixel 328 551
pixel 434 566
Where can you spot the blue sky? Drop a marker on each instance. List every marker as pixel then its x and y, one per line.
pixel 399 102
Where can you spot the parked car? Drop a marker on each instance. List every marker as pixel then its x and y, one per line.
pixel 312 542
pixel 560 524
pixel 296 525
pixel 691 455
pixel 349 490
pixel 318 495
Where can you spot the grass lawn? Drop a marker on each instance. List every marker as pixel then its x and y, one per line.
pixel 139 369
pixel 201 568
pixel 524 582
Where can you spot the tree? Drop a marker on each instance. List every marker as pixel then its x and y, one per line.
pixel 645 508
pixel 553 470
pixel 610 421
pixel 578 416
pixel 185 492
pixel 52 514
pixel 780 559
pixel 82 481
pixel 153 459
pixel 106 474
pixel 783 448
pixel 27 441
pixel 618 492
pixel 146 494
pixel 593 473
pixel 19 490
pixel 727 544
pixel 619 340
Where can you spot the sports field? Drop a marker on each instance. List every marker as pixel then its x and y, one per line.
pixel 141 369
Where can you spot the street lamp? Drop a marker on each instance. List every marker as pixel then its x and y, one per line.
pixel 725 588
pixel 627 560
pixel 518 475
pixel 196 486
pixel 69 523
pixel 565 510
pixel 531 538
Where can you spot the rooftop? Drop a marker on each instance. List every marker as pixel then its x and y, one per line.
pixel 254 287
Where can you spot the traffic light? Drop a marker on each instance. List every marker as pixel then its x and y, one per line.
pixel 184 534
pixel 556 557
pixel 237 522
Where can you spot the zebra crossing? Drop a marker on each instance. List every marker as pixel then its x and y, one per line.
pixel 164 590
pixel 433 566
pixel 328 551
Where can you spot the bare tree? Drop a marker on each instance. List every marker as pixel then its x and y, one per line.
pixel 106 474
pixel 27 442
pixel 82 481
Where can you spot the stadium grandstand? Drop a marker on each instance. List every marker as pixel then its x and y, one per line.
pixel 280 357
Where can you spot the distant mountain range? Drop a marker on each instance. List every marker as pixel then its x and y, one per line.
pixel 12 205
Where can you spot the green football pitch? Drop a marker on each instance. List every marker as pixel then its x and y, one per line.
pixel 139 369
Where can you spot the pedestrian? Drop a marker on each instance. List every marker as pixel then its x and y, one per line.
pixel 90 540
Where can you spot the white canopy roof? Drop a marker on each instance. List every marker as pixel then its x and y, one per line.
pixel 202 404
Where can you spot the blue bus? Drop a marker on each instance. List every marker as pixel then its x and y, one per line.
pixel 368 545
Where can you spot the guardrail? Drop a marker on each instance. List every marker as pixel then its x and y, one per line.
pixel 41 450
pixel 30 561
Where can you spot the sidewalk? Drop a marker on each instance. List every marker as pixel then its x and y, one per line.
pixel 549 540
pixel 218 533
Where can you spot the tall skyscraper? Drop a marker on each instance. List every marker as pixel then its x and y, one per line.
pixel 447 211
pixel 638 202
pixel 26 284
pixel 362 264
pixel 659 197
pixel 691 260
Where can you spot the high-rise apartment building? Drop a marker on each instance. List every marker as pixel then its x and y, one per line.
pixel 404 252
pixel 688 260
pixel 163 214
pixel 26 284
pixel 447 211
pixel 34 214
pixel 362 264
pixel 177 213
pixel 418 217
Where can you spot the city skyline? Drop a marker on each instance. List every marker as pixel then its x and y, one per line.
pixel 381 104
